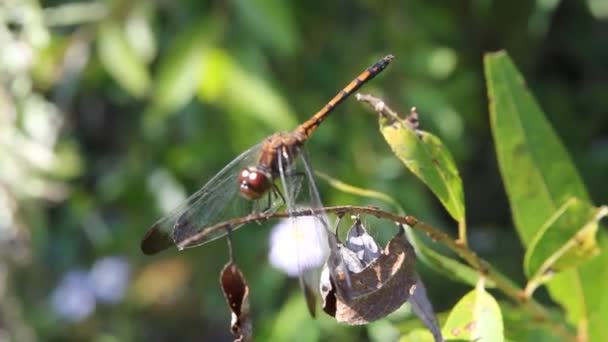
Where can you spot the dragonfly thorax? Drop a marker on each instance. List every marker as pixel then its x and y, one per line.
pixel 254 182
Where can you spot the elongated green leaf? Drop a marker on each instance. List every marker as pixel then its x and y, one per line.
pixel 426 156
pixel 520 325
pixel 566 240
pixel 120 60
pixel 444 265
pixel 537 171
pixel 272 21
pixel 229 85
pixel 179 72
pixel 539 178
pixel 139 31
pixel 476 317
pixel 250 94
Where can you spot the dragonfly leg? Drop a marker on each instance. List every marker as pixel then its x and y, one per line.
pixel 229 241
pixel 297 178
pixel 338 221
pixel 277 192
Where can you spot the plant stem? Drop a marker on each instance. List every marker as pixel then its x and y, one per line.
pixel 507 286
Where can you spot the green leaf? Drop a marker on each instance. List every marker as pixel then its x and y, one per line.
pixel 537 171
pixel 216 68
pixel 539 178
pixel 272 21
pixel 417 335
pixel 292 323
pixel 179 72
pixel 139 31
pixel 354 190
pixel 566 240
pixel 446 266
pixel 476 317
pixel 521 325
pixel 229 85
pixel 426 156
pixel 120 60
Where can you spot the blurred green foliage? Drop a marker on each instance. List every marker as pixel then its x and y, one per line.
pixel 112 111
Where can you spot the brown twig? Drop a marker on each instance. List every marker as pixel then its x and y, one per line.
pixel 503 283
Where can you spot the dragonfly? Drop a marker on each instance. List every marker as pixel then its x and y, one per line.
pixel 240 187
pixel 248 185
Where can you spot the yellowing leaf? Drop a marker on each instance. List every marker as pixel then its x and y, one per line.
pixel 476 317
pixel 426 156
pixel 566 240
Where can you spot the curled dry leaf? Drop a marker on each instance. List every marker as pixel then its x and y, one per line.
pixel 236 291
pixel 377 287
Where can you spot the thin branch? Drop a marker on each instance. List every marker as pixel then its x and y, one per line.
pixel 503 283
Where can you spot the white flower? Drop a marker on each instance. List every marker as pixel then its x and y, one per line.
pixel 298 244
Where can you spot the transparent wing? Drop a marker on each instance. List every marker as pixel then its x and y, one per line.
pixel 218 200
pixel 312 251
pixel 327 238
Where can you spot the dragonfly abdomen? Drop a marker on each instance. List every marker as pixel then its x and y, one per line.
pixel 310 125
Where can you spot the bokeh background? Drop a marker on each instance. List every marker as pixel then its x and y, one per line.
pixel 111 112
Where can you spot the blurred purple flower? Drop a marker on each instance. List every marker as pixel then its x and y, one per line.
pixel 109 279
pixel 73 299
pixel 298 244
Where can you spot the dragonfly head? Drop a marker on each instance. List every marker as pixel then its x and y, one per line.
pixel 253 182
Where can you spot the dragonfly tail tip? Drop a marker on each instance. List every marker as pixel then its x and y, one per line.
pixel 155 241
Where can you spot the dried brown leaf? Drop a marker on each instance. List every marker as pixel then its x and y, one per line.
pixel 236 292
pixel 377 290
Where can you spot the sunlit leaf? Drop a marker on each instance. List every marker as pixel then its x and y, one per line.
pixel 120 60
pixel 179 72
pixel 539 177
pixel 476 317
pixel 426 156
pixel 227 84
pixel 217 66
pixel 139 31
pixel 566 240
pixel 249 94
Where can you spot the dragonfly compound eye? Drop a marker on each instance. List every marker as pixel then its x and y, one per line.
pixel 253 183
